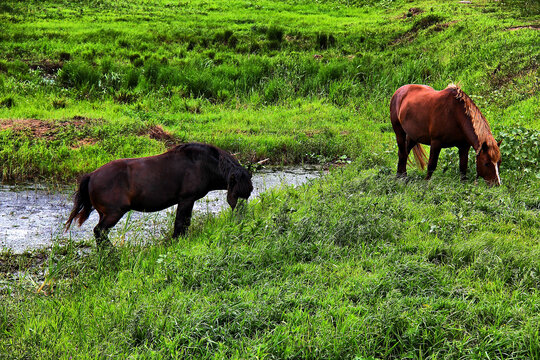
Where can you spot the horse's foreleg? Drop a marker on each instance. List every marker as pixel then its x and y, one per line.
pixel 463 161
pixel 434 151
pixel 101 231
pixel 183 217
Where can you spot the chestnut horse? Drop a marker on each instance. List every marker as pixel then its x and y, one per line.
pixel 179 176
pixel 441 119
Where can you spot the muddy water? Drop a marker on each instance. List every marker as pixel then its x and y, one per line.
pixel 32 216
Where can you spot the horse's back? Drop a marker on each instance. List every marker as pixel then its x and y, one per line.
pixel 156 182
pixel 425 113
pixel 143 184
pixel 403 96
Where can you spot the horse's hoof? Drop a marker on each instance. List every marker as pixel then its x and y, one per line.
pixel 105 245
pixel 401 175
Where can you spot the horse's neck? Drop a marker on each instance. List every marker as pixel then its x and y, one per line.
pixel 226 168
pixel 470 134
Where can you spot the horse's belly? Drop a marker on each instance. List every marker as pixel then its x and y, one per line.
pixel 417 132
pixel 150 205
pixel 425 131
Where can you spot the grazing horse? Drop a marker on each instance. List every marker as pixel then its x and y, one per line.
pixel 180 176
pixel 441 119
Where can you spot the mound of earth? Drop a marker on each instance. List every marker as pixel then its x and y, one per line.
pixel 49 129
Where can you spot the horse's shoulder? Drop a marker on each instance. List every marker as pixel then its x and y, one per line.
pixel 197 150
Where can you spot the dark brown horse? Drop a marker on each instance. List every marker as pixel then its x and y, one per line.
pixel 441 119
pixel 180 176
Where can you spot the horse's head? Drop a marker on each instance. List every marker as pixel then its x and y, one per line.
pixel 239 186
pixel 488 161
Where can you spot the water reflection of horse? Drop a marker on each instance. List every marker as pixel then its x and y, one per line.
pixel 446 118
pixel 180 176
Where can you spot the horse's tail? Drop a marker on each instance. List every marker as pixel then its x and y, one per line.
pixel 82 206
pixel 419 156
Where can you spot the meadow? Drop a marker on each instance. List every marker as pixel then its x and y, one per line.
pixel 311 85
pixel 356 265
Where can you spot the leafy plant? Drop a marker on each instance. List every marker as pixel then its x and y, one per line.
pixel 520 149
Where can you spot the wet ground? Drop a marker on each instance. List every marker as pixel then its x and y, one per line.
pixel 32 216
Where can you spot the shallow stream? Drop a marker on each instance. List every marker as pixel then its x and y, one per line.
pixel 33 216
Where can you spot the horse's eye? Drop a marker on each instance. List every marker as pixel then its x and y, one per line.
pixel 486 164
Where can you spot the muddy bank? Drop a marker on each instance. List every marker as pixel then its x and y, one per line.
pixel 32 216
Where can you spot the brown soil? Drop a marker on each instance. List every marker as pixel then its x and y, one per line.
pixel 410 35
pixel 14 263
pixel 48 129
pixel 532 27
pixel 43 129
pixel 85 142
pixel 156 132
pixel 47 66
pixel 412 12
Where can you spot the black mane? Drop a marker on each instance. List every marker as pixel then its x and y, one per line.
pixel 228 165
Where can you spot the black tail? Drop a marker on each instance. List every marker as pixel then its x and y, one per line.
pixel 82 206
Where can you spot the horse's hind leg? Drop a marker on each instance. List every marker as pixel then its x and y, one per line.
pixel 434 152
pixel 463 161
pixel 410 143
pixel 401 138
pixel 183 217
pixel 405 146
pixel 101 231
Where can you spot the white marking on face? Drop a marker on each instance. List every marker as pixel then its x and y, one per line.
pixel 497 172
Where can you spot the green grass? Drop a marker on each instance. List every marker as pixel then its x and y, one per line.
pixel 313 84
pixel 356 265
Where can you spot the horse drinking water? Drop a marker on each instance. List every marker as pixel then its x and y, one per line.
pixel 441 119
pixel 179 176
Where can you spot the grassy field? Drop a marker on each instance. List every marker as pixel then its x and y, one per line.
pixel 293 81
pixel 356 265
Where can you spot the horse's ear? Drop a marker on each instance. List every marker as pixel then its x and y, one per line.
pixel 485 146
pixel 499 143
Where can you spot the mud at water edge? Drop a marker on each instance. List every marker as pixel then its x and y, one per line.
pixel 32 216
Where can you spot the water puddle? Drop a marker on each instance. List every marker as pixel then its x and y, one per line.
pixel 32 216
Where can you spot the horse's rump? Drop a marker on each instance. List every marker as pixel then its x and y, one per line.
pixel 82 206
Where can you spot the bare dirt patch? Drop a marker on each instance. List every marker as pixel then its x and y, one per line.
pixel 412 12
pixel 79 130
pixel 156 132
pixel 430 22
pixel 43 129
pixel 84 142
pixel 35 128
pixel 12 263
pixel 443 26
pixel 531 27
pixel 48 67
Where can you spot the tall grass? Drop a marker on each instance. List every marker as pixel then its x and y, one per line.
pixel 358 264
pixel 188 75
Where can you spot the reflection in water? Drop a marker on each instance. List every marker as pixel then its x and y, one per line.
pixel 32 216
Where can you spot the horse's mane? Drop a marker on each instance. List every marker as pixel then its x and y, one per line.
pixel 227 163
pixel 479 123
